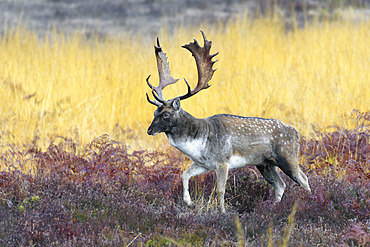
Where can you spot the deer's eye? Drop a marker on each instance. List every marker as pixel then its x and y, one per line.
pixel 166 115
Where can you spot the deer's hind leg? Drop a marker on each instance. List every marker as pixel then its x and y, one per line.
pixel 287 161
pixel 291 168
pixel 270 173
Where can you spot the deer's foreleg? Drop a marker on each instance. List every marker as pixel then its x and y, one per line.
pixel 221 172
pixel 193 170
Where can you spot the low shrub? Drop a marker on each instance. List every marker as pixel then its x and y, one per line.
pixel 107 196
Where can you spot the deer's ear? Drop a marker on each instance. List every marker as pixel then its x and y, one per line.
pixel 176 104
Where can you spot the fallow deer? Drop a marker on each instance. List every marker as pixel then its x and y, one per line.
pixel 222 142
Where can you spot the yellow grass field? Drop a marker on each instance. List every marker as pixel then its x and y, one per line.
pixel 72 87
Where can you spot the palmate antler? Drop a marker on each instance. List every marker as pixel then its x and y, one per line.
pixel 204 66
pixel 165 77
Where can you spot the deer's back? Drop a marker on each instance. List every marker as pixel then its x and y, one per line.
pixel 258 139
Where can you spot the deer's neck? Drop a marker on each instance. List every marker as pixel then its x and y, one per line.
pixel 189 135
pixel 187 128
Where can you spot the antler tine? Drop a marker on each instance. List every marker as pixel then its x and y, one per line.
pixel 164 72
pixel 152 102
pixel 204 64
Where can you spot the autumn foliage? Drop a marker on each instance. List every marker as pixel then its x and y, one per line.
pixel 108 196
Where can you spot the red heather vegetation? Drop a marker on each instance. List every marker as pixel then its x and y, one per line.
pixel 107 196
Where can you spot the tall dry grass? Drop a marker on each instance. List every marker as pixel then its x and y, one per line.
pixel 80 88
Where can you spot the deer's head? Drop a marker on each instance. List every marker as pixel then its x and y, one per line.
pixel 165 117
pixel 167 114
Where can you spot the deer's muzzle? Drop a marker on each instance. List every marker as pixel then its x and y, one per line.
pixel 151 131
